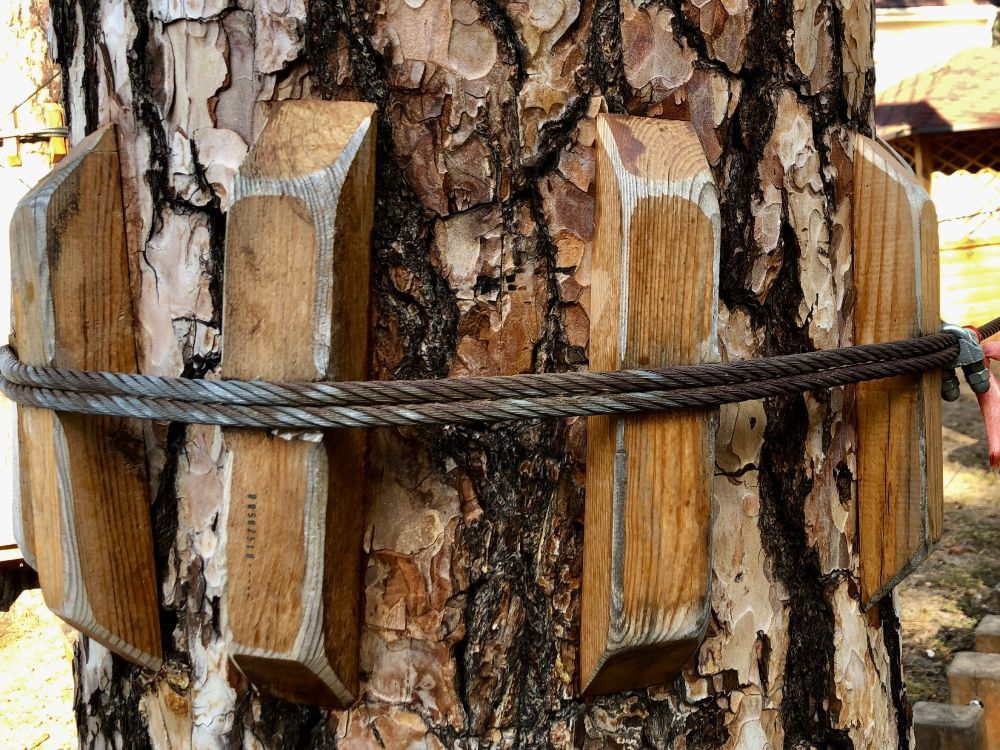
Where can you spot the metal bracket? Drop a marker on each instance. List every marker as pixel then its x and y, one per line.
pixel 972 361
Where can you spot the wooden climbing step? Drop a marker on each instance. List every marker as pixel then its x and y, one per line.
pixel 647 528
pixel 84 492
pixel 296 308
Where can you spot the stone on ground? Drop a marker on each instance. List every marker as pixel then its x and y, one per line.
pixel 940 726
pixel 974 676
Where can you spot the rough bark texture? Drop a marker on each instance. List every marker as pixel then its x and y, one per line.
pixel 481 263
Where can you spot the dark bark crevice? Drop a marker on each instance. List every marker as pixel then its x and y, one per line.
pixel 689 34
pixel 554 136
pixel 290 726
pixel 704 728
pixel 515 687
pixel 214 265
pixel 91 34
pixel 552 353
pixel 891 637
pixel 738 179
pixel 64 27
pixel 833 101
pixel 163 512
pixel 423 323
pixel 113 710
pixel 605 60
pixel 808 706
pixel 511 46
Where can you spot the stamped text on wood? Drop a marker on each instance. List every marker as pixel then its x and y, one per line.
pixel 296 308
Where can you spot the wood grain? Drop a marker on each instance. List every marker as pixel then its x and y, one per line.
pixel 83 481
pixel 649 478
pixel 296 308
pixel 23 510
pixel 900 480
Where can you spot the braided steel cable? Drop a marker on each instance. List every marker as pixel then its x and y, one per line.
pixel 535 385
pixel 458 412
pixel 325 405
pixel 990 329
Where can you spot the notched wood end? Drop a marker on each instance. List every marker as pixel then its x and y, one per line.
pixel 900 466
pixel 296 307
pixel 294 681
pixel 643 666
pixel 647 557
pixel 84 493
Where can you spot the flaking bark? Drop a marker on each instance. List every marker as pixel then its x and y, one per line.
pixel 481 266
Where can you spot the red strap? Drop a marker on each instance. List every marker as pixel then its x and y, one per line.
pixel 989 403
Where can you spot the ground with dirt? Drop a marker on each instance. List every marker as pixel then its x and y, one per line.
pixel 36 681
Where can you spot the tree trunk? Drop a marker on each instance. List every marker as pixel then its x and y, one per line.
pixel 481 266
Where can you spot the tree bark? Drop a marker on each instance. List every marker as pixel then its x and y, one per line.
pixel 481 266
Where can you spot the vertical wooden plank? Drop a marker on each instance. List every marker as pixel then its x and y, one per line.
pixel 84 489
pixel 976 677
pixel 24 523
pixel 930 322
pixel 296 308
pixel 922 164
pixel 649 478
pixel 900 485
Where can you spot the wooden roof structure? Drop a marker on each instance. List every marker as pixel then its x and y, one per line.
pixel 961 95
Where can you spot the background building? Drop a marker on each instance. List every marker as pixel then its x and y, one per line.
pixel 938 100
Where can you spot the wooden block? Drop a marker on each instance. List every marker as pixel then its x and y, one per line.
pixel 900 465
pixel 24 524
pixel 974 676
pixel 649 478
pixel 296 308
pixel 940 726
pixel 988 635
pixel 83 482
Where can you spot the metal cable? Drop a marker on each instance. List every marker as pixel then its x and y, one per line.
pixel 482 411
pixel 325 405
pixel 990 329
pixel 535 385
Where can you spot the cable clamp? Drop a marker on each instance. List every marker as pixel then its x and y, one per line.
pixel 972 361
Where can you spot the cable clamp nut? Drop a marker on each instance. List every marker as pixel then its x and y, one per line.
pixel 972 361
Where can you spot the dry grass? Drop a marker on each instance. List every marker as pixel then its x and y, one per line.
pixel 36 681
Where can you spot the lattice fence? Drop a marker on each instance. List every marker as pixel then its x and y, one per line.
pixel 907 148
pixel 965 186
pixel 973 151
pixel 948 153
